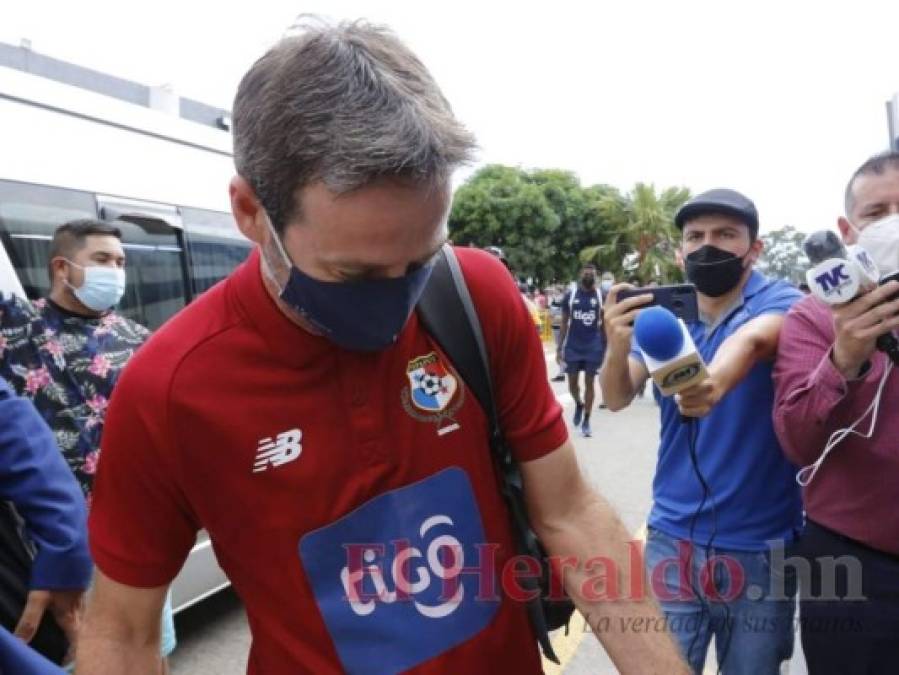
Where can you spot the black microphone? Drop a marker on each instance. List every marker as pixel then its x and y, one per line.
pixel 887 343
pixel 840 274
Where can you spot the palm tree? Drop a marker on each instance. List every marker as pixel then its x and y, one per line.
pixel 642 239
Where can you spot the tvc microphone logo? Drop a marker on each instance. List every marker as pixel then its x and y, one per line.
pixel 830 281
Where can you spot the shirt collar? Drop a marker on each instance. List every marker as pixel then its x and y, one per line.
pixel 290 343
pixel 69 314
pixel 755 283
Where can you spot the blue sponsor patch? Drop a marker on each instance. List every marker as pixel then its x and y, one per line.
pixel 396 580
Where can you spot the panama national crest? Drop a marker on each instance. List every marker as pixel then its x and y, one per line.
pixel 431 384
pixel 433 394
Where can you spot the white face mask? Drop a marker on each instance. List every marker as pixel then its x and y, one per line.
pixel 103 286
pixel 881 240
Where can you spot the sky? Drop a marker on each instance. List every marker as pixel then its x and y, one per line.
pixel 780 100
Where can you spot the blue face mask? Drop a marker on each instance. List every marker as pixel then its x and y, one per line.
pixel 357 315
pixel 102 288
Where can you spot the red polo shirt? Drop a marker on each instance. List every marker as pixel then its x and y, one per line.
pixel 293 453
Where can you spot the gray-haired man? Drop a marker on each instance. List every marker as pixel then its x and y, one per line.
pixel 303 417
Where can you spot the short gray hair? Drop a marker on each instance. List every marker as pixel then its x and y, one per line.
pixel 875 165
pixel 344 104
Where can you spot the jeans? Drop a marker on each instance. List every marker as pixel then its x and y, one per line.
pixel 843 634
pixel 748 606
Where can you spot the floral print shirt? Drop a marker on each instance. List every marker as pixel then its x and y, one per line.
pixel 67 364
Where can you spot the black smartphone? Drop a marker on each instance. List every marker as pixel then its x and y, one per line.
pixel 891 277
pixel 679 299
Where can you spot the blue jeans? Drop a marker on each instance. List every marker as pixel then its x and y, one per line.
pixel 749 607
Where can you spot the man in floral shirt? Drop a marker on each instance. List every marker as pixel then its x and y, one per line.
pixel 65 352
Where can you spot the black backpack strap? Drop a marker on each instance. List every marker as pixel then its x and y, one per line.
pixel 441 309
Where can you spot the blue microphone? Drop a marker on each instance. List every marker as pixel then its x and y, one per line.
pixel 658 333
pixel 668 350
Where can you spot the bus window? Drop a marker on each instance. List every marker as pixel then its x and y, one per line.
pixel 28 216
pixel 155 289
pixel 215 244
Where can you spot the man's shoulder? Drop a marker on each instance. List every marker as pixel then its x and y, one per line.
pixel 493 291
pixel 206 319
pixel 132 326
pixel 16 310
pixel 811 309
pixel 770 293
pixel 768 286
pixel 484 273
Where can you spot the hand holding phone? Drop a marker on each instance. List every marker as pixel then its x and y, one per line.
pixel 679 299
pixel 619 314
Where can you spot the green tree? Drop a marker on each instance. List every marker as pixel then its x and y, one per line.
pixel 541 219
pixel 641 240
pixel 783 257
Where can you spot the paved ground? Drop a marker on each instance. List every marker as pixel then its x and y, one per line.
pixel 619 461
pixel 213 638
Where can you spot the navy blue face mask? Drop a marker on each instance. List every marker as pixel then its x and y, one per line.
pixel 366 315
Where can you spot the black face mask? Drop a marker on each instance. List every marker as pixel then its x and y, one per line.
pixel 714 272
pixel 587 280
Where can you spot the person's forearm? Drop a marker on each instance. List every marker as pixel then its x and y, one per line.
pixel 812 396
pixel 38 482
pixel 809 391
pixel 738 354
pixel 563 333
pixel 615 381
pixel 121 630
pixel 608 585
pixel 97 655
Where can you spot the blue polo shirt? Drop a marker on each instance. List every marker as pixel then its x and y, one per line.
pixel 752 484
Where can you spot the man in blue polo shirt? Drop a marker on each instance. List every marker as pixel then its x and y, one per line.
pixel 723 491
pixel 581 343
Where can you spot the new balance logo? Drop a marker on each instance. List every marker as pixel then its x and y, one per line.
pixel 285 448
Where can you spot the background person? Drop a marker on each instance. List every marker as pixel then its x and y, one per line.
pixel 828 375
pixel 752 498
pixel 581 343
pixel 66 352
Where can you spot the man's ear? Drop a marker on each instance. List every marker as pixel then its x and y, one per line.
pixel 679 257
pixel 57 270
pixel 850 234
pixel 248 212
pixel 755 250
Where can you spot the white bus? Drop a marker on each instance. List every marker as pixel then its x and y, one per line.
pixel 68 152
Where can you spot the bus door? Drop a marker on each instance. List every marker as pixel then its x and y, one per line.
pixel 153 239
